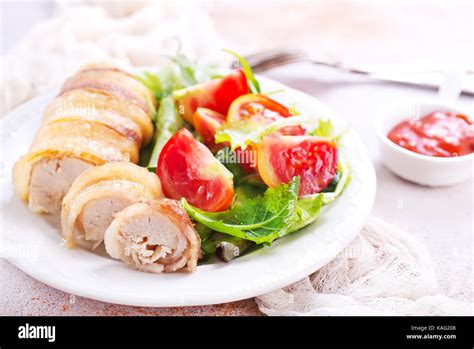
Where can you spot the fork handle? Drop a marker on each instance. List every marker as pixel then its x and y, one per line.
pixel 267 60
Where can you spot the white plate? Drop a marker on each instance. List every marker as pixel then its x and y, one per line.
pixel 34 245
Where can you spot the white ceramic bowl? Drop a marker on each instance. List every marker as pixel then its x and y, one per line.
pixel 421 169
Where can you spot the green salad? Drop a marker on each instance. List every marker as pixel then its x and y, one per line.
pixel 247 169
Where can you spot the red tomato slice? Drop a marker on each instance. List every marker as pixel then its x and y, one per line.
pixel 262 109
pixel 188 169
pixel 247 158
pixel 206 123
pixel 255 105
pixel 281 157
pixel 216 94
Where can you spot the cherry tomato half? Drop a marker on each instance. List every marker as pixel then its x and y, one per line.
pixel 216 94
pixel 260 108
pixel 281 157
pixel 188 169
pixel 206 123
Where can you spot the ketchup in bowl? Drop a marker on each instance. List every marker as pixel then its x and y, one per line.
pixel 440 134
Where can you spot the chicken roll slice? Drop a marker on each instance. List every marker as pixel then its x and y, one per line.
pixel 114 121
pixel 154 236
pixel 62 151
pixel 100 138
pixel 98 194
pixel 103 114
pixel 95 105
pixel 50 181
pixel 112 81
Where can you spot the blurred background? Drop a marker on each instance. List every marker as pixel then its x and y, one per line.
pixel 50 39
pixel 416 32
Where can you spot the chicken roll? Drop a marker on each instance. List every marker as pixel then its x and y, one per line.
pixel 98 194
pixel 89 124
pixel 155 236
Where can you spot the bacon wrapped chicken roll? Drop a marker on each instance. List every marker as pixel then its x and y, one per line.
pixel 98 194
pixel 102 115
pixel 155 236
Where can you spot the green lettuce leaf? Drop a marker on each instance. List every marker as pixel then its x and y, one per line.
pixel 163 82
pixel 254 84
pixel 168 121
pixel 225 247
pixel 324 129
pixel 187 68
pixel 234 167
pixel 180 73
pixel 307 210
pixel 261 219
pixel 249 187
pixel 242 133
pixel 152 81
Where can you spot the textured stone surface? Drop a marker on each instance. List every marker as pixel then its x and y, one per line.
pixel 22 295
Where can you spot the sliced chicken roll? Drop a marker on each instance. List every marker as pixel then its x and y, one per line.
pixel 98 194
pixel 117 113
pixel 112 81
pixel 61 152
pixel 102 115
pixel 155 236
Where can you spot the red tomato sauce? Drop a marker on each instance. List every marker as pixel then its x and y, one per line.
pixel 440 134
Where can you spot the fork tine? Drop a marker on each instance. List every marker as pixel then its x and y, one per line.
pixel 277 61
pixel 268 59
pixel 271 53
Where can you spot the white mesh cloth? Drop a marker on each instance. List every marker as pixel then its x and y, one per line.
pixel 384 271
pixel 126 33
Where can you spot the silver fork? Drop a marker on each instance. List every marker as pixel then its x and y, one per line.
pixel 433 79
